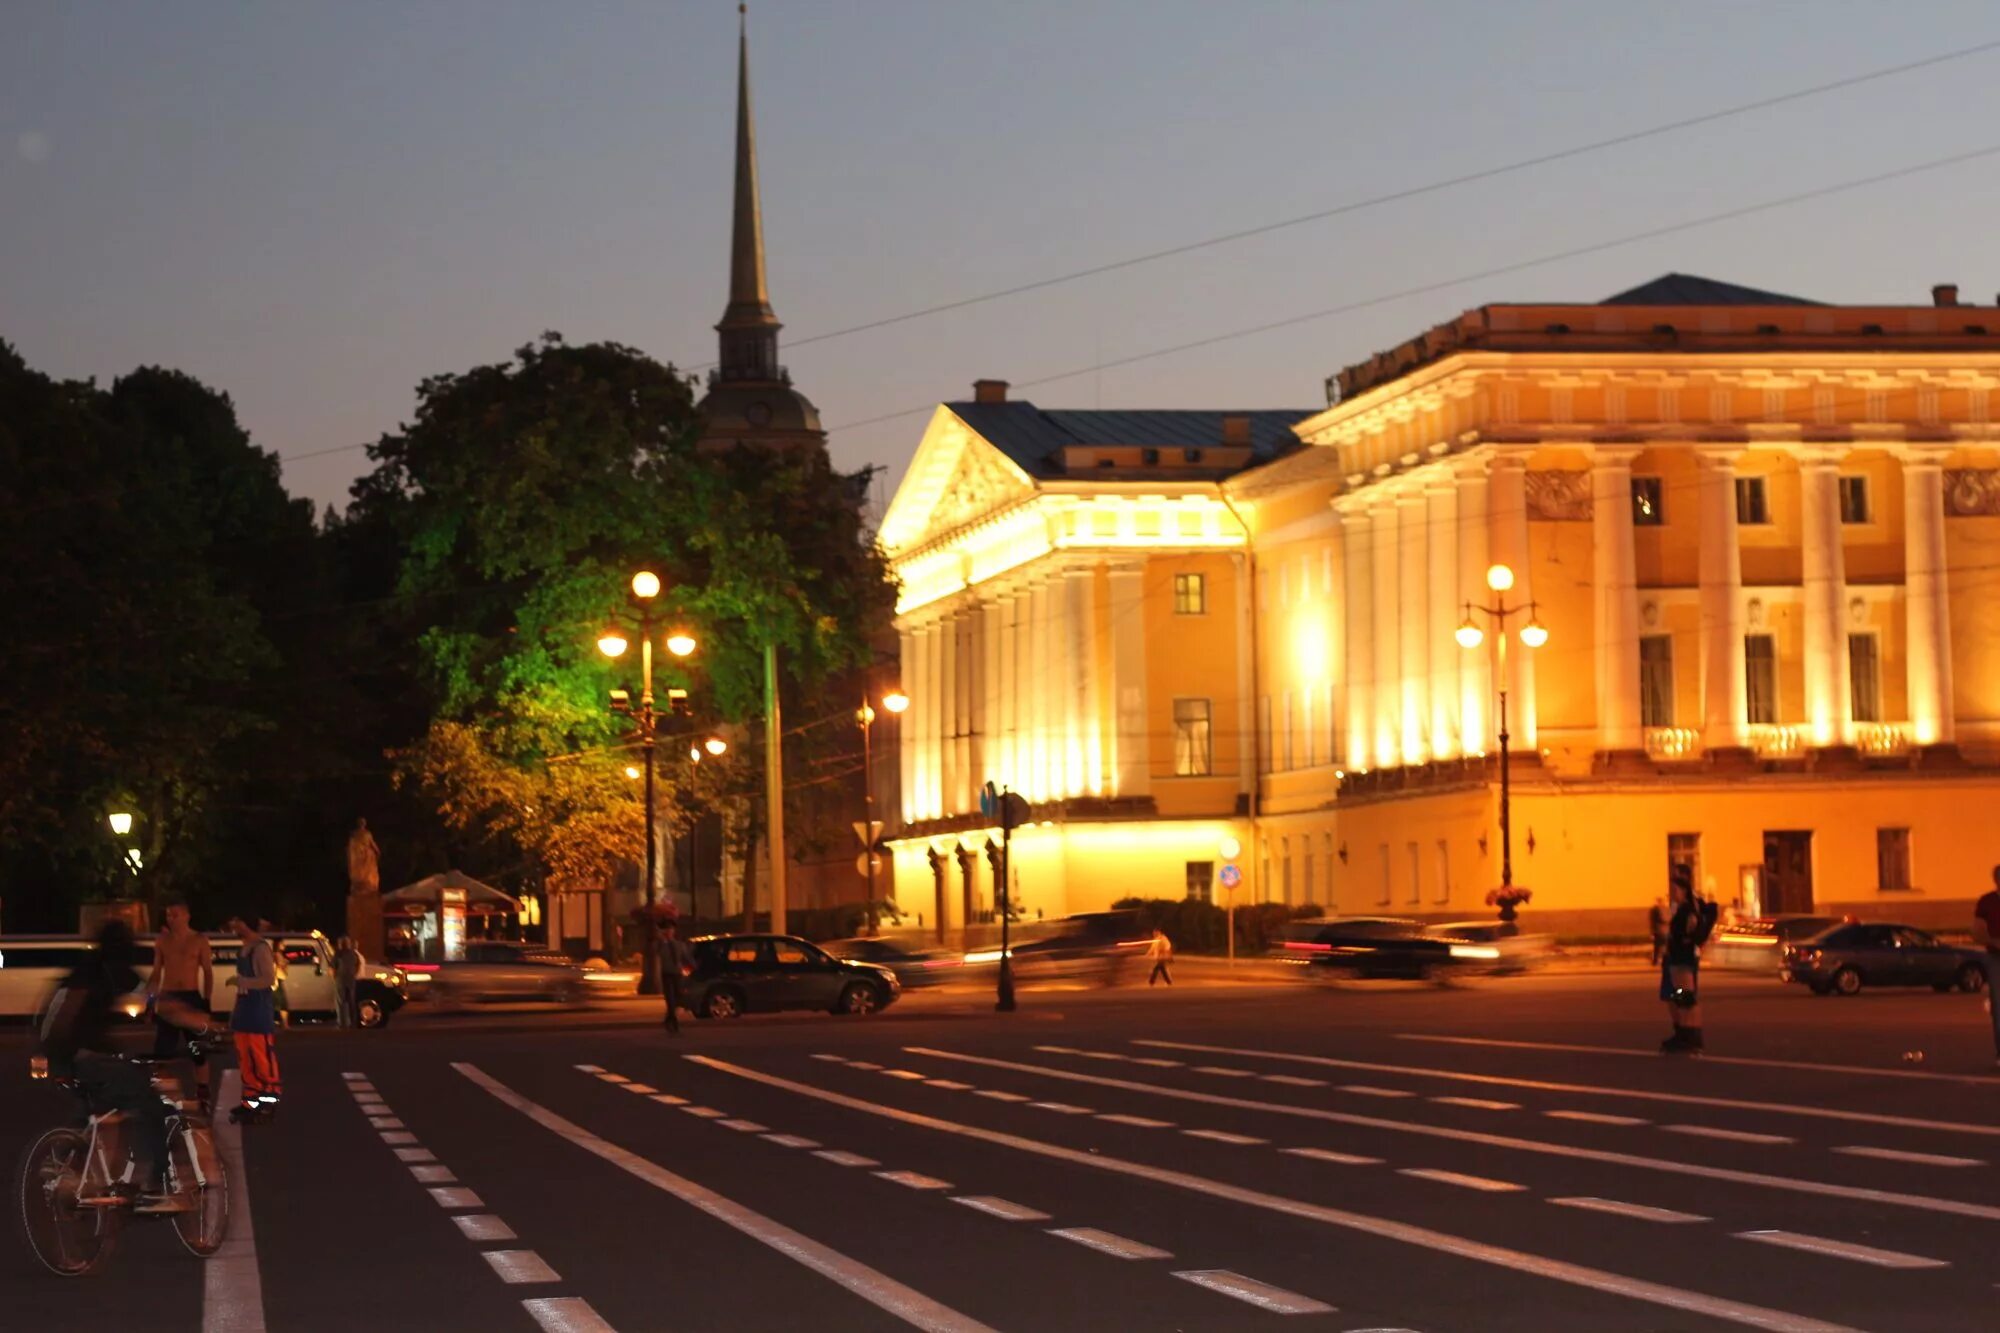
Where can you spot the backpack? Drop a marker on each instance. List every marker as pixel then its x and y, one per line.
pixel 1705 912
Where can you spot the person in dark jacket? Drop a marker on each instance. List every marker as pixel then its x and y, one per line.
pixel 675 961
pixel 1680 967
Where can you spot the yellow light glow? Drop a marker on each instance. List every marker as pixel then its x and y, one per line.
pixel 612 644
pixel 715 745
pixel 645 585
pixel 694 753
pixel 1309 648
pixel 1534 634
pixel 1469 635
pixel 680 643
pixel 1230 849
pixel 1499 578
pixel 121 822
pixel 895 701
pixel 632 771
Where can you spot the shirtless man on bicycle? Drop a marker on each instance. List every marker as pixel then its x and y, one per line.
pixel 183 972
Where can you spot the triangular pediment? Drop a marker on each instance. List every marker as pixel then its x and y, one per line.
pixel 955 478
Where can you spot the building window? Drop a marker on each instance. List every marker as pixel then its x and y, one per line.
pixel 1264 751
pixel 1892 859
pixel 1192 758
pixel 1864 670
pixel 1648 502
pixel 1285 870
pixel 1384 898
pixel 1416 875
pixel 1760 679
pixel 1753 505
pixel 1285 734
pixel 1656 680
pixel 1201 881
pixel 1684 850
pixel 1444 872
pixel 1190 455
pixel 1306 871
pixel 1190 594
pixel 1854 500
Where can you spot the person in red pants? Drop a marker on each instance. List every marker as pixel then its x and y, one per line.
pixel 254 1024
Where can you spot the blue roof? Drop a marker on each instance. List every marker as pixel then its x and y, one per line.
pixel 1031 435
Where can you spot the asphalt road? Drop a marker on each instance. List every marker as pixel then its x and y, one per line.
pixel 1506 1156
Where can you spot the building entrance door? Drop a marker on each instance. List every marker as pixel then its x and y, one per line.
pixel 1788 883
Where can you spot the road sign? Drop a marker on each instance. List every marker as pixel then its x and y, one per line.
pixel 869 863
pixel 869 831
pixel 989 800
pixel 1231 877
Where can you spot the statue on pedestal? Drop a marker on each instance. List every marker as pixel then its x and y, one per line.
pixel 364 860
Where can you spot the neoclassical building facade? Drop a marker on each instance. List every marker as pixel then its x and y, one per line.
pixel 1762 534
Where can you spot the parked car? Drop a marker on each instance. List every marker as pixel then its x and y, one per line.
pixel 502 970
pixel 1857 954
pixel 913 967
pixel 1367 948
pixel 1757 944
pixel 747 974
pixel 1097 946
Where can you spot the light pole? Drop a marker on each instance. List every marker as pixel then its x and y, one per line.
pixel 895 701
pixel 1231 849
pixel 613 643
pixel 1500 579
pixel 717 747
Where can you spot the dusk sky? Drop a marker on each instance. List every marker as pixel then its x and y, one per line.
pixel 313 207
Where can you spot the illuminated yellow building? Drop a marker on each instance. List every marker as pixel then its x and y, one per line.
pixel 1762 534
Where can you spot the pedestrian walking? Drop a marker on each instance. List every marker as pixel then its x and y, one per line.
pixel 346 982
pixel 1688 928
pixel 1656 926
pixel 1986 931
pixel 253 1023
pixel 675 960
pixel 183 975
pixel 1161 951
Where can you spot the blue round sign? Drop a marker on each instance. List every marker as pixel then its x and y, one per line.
pixel 1231 877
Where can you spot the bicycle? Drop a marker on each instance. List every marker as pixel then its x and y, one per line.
pixel 74 1183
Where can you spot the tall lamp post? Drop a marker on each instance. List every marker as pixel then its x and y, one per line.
pixel 1500 580
pixel 716 747
pixel 613 643
pixel 895 701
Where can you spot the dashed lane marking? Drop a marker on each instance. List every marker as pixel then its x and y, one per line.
pixel 1106 1243
pixel 1061 1108
pixel 1914 1158
pixel 1369 1090
pixel 1673 1165
pixel 791 1141
pixel 1671 1296
pixel 915 1180
pixel 1477 1103
pixel 948 1084
pixel 614 1078
pixel 1460 1179
pixel 415 1155
pixel 385 1122
pixel 1001 1208
pixel 1260 1294
pixel 905 1073
pixel 483 1226
pixel 906 1303
pixel 398 1136
pixel 1732 1135
pixel 832 1059
pixel 743 1126
pixel 1156 1061
pixel 1329 1155
pixel 862 1064
pixel 566 1314
pixel 999 1096
pixel 350 1077
pixel 232 1285
pixel 1294 1080
pixel 643 1089
pixel 456 1197
pixel 1137 1121
pixel 1222 1071
pixel 1840 1249
pixel 1706 1058
pixel 1224 1136
pixel 668 1099
pixel 841 1158
pixel 434 1175
pixel 589 1069
pixel 1617 1208
pixel 1597 1118
pixel 519 1266
pixel 705 1112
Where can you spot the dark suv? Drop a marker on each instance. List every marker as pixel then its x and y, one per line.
pixel 749 974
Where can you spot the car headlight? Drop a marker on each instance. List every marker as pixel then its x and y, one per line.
pixel 1474 951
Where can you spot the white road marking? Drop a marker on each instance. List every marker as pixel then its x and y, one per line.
pixel 1059 1050
pixel 1156 1061
pixel 484 1226
pixel 791 1141
pixel 1915 1158
pixel 1102 1055
pixel 566 1314
pixel 362 1089
pixel 415 1155
pixel 840 1158
pixel 1676 1297
pixel 643 1089
pixel 232 1285
pixel 1597 1118
pixel 372 1104
pixel 1139 1121
pixel 1477 1103
pixel 1106 1243
pixel 1060 1108
pixel 589 1069
pixel 906 1303
pixel 1840 1249
pixel 1674 1165
pixel 743 1126
pixel 385 1122
pixel 1260 1294
pixel 705 1112
pixel 1329 1155
pixel 456 1197
pixel 862 1064
pixel 1461 1179
pixel 1733 1135
pixel 948 1084
pixel 614 1078
pixel 915 1180
pixel 1641 1211
pixel 1000 1096
pixel 668 1099
pixel 518 1266
pixel 1706 1059
pixel 836 1059
pixel 1222 1071
pixel 434 1175
pixel 905 1073
pixel 1591 1090
pixel 1368 1090
pixel 351 1077
pixel 1001 1208
pixel 1294 1080
pixel 398 1136
pixel 1223 1136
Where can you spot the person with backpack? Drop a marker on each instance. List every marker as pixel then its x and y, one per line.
pixel 1690 923
pixel 253 1023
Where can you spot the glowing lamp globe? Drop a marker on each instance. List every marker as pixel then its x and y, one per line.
pixel 612 644
pixel 1534 634
pixel 895 701
pixel 680 643
pixel 1499 578
pixel 645 585
pixel 1468 635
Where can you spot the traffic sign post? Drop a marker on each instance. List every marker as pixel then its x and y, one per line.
pixel 1009 809
pixel 1231 877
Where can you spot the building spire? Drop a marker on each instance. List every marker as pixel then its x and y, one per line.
pixel 748 328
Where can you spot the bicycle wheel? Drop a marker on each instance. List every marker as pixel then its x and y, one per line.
pixel 206 1222
pixel 69 1239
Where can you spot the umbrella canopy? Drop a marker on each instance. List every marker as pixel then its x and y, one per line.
pixel 429 892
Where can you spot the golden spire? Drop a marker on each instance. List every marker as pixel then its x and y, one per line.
pixel 749 299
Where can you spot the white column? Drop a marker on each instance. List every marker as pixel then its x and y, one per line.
pixel 1447 658
pixel 1724 697
pixel 1616 583
pixel 1037 700
pixel 1475 667
pixel 1414 623
pixel 948 718
pixel 1008 734
pixel 1358 579
pixel 1131 763
pixel 922 701
pixel 1089 691
pixel 1074 590
pixel 1824 576
pixel 986 740
pixel 1925 599
pixel 965 786
pixel 1246 680
pixel 906 810
pixel 1507 542
pixel 1388 677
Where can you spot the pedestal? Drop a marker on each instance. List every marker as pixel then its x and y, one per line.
pixel 364 925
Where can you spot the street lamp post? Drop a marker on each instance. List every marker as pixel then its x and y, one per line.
pixel 1500 579
pixel 895 701
pixel 717 747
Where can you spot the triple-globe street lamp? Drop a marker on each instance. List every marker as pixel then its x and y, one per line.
pixel 1500 579
pixel 895 701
